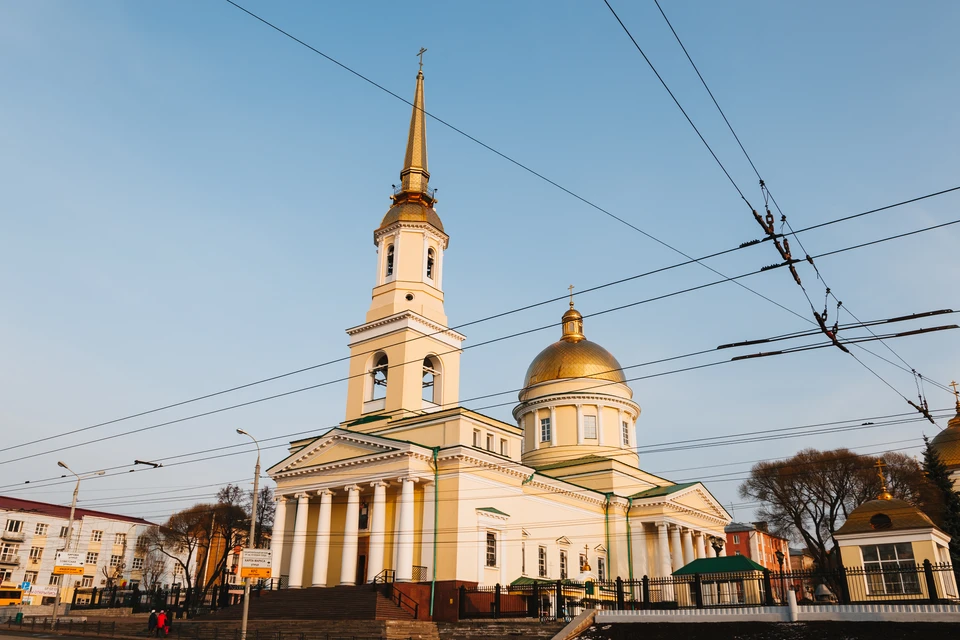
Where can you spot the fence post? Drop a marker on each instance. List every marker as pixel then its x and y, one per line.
pixel 561 609
pixel 461 602
pixel 767 588
pixel 844 586
pixel 536 599
pixel 698 593
pixel 496 601
pixel 620 606
pixel 931 583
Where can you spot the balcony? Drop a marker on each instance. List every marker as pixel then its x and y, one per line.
pixel 13 536
pixel 10 559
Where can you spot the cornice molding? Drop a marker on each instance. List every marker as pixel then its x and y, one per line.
pixel 573 398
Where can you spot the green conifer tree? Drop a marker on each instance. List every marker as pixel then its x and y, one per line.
pixel 948 517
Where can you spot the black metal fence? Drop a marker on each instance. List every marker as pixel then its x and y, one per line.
pixel 565 599
pixel 68 626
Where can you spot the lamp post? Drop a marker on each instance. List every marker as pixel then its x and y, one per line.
pixel 783 586
pixel 253 533
pixel 66 544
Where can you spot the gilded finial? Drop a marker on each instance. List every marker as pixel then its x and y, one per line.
pixel 884 494
pixel 956 394
pixel 422 51
pixel 571 298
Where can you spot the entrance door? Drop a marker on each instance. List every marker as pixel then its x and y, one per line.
pixel 363 549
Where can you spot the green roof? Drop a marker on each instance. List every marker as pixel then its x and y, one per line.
pixel 663 491
pixel 725 564
pixel 573 463
pixel 366 419
pixel 493 510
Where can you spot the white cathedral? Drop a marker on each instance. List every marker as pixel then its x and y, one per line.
pixel 416 488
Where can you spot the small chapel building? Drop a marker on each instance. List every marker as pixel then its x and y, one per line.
pixel 413 487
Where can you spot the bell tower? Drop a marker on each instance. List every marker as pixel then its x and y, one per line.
pixel 404 360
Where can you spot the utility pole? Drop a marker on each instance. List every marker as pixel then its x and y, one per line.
pixel 253 532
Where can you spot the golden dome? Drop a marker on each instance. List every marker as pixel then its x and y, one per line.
pixel 573 356
pixel 947 442
pixel 411 212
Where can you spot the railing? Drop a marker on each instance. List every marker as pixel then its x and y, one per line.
pixel 13 536
pixel 564 599
pixel 385 576
pixel 401 599
pixel 67 626
pixel 420 574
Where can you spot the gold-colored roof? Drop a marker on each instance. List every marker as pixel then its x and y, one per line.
pixel 900 515
pixel 412 212
pixel 947 443
pixel 573 356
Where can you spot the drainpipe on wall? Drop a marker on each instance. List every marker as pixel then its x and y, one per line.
pixel 606 527
pixel 629 538
pixel 436 519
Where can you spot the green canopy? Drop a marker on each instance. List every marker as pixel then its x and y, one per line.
pixel 725 564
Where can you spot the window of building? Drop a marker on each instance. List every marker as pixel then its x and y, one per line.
pixel 96 536
pixel 545 431
pixel 92 557
pixel 489 442
pixel 36 553
pixel 431 380
pixel 63 531
pixel 590 427
pixel 14 526
pixel 431 258
pixel 476 438
pixel 625 429
pixel 9 552
pixel 601 569
pixel 137 564
pixel 890 569
pixel 54 579
pixel 542 561
pixel 390 253
pixel 736 538
pixel 120 538
pixel 86 581
pixel 364 520
pixel 491 549
pixel 41 529
pixel 563 565
pixel 30 576
pixel 6 575
pixel 378 377
pixel 141 545
pixel 504 449
pixel 116 561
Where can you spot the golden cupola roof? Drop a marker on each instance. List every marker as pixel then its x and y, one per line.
pixel 573 356
pixel 413 200
pixel 947 442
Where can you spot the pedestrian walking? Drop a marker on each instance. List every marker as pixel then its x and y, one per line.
pixel 152 621
pixel 161 623
pixel 166 623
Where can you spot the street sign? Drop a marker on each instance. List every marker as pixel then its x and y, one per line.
pixel 69 563
pixel 25 586
pixel 256 563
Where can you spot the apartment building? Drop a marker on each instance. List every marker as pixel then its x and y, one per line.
pixel 754 540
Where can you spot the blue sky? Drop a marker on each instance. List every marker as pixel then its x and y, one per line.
pixel 189 199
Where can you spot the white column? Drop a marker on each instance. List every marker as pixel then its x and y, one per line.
pixel 298 545
pixel 663 549
pixel 481 554
pixel 351 529
pixel 427 531
pixel 536 428
pixel 276 540
pixel 676 552
pixel 553 426
pixel 620 426
pixel 687 546
pixel 723 550
pixel 711 552
pixel 701 550
pixel 600 424
pixel 439 267
pixel 579 424
pixel 405 534
pixel 502 557
pixel 378 520
pixel 321 548
pixel 423 266
pixel 639 543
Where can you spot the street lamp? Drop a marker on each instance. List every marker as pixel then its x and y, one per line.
pixel 73 508
pixel 783 587
pixel 253 533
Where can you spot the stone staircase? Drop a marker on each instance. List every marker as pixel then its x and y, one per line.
pixel 317 603
pixel 291 629
pixel 512 629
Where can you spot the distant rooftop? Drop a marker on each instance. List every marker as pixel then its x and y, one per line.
pixel 59 511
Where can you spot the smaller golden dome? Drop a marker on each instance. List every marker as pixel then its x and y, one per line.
pixel 947 443
pixel 411 212
pixel 888 514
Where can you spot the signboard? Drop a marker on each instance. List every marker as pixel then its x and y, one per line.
pixel 44 591
pixel 25 585
pixel 69 563
pixel 256 563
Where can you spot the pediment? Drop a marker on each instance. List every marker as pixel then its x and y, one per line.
pixel 698 499
pixel 335 447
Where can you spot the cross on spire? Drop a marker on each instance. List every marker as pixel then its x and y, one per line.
pixel 422 51
pixel 956 393
pixel 880 465
pixel 571 295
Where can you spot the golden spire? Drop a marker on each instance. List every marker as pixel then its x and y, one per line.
pixel 956 395
pixel 415 176
pixel 571 298
pixel 572 323
pixel 884 494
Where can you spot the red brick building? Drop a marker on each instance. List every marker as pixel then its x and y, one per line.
pixel 755 541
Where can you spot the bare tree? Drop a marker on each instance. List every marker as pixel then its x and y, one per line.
pixel 154 569
pixel 266 510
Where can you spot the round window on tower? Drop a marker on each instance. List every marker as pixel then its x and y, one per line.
pixel 409 297
pixel 880 521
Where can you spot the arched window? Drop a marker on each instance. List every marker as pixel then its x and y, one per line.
pixel 431 259
pixel 378 377
pixel 431 380
pixel 389 271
